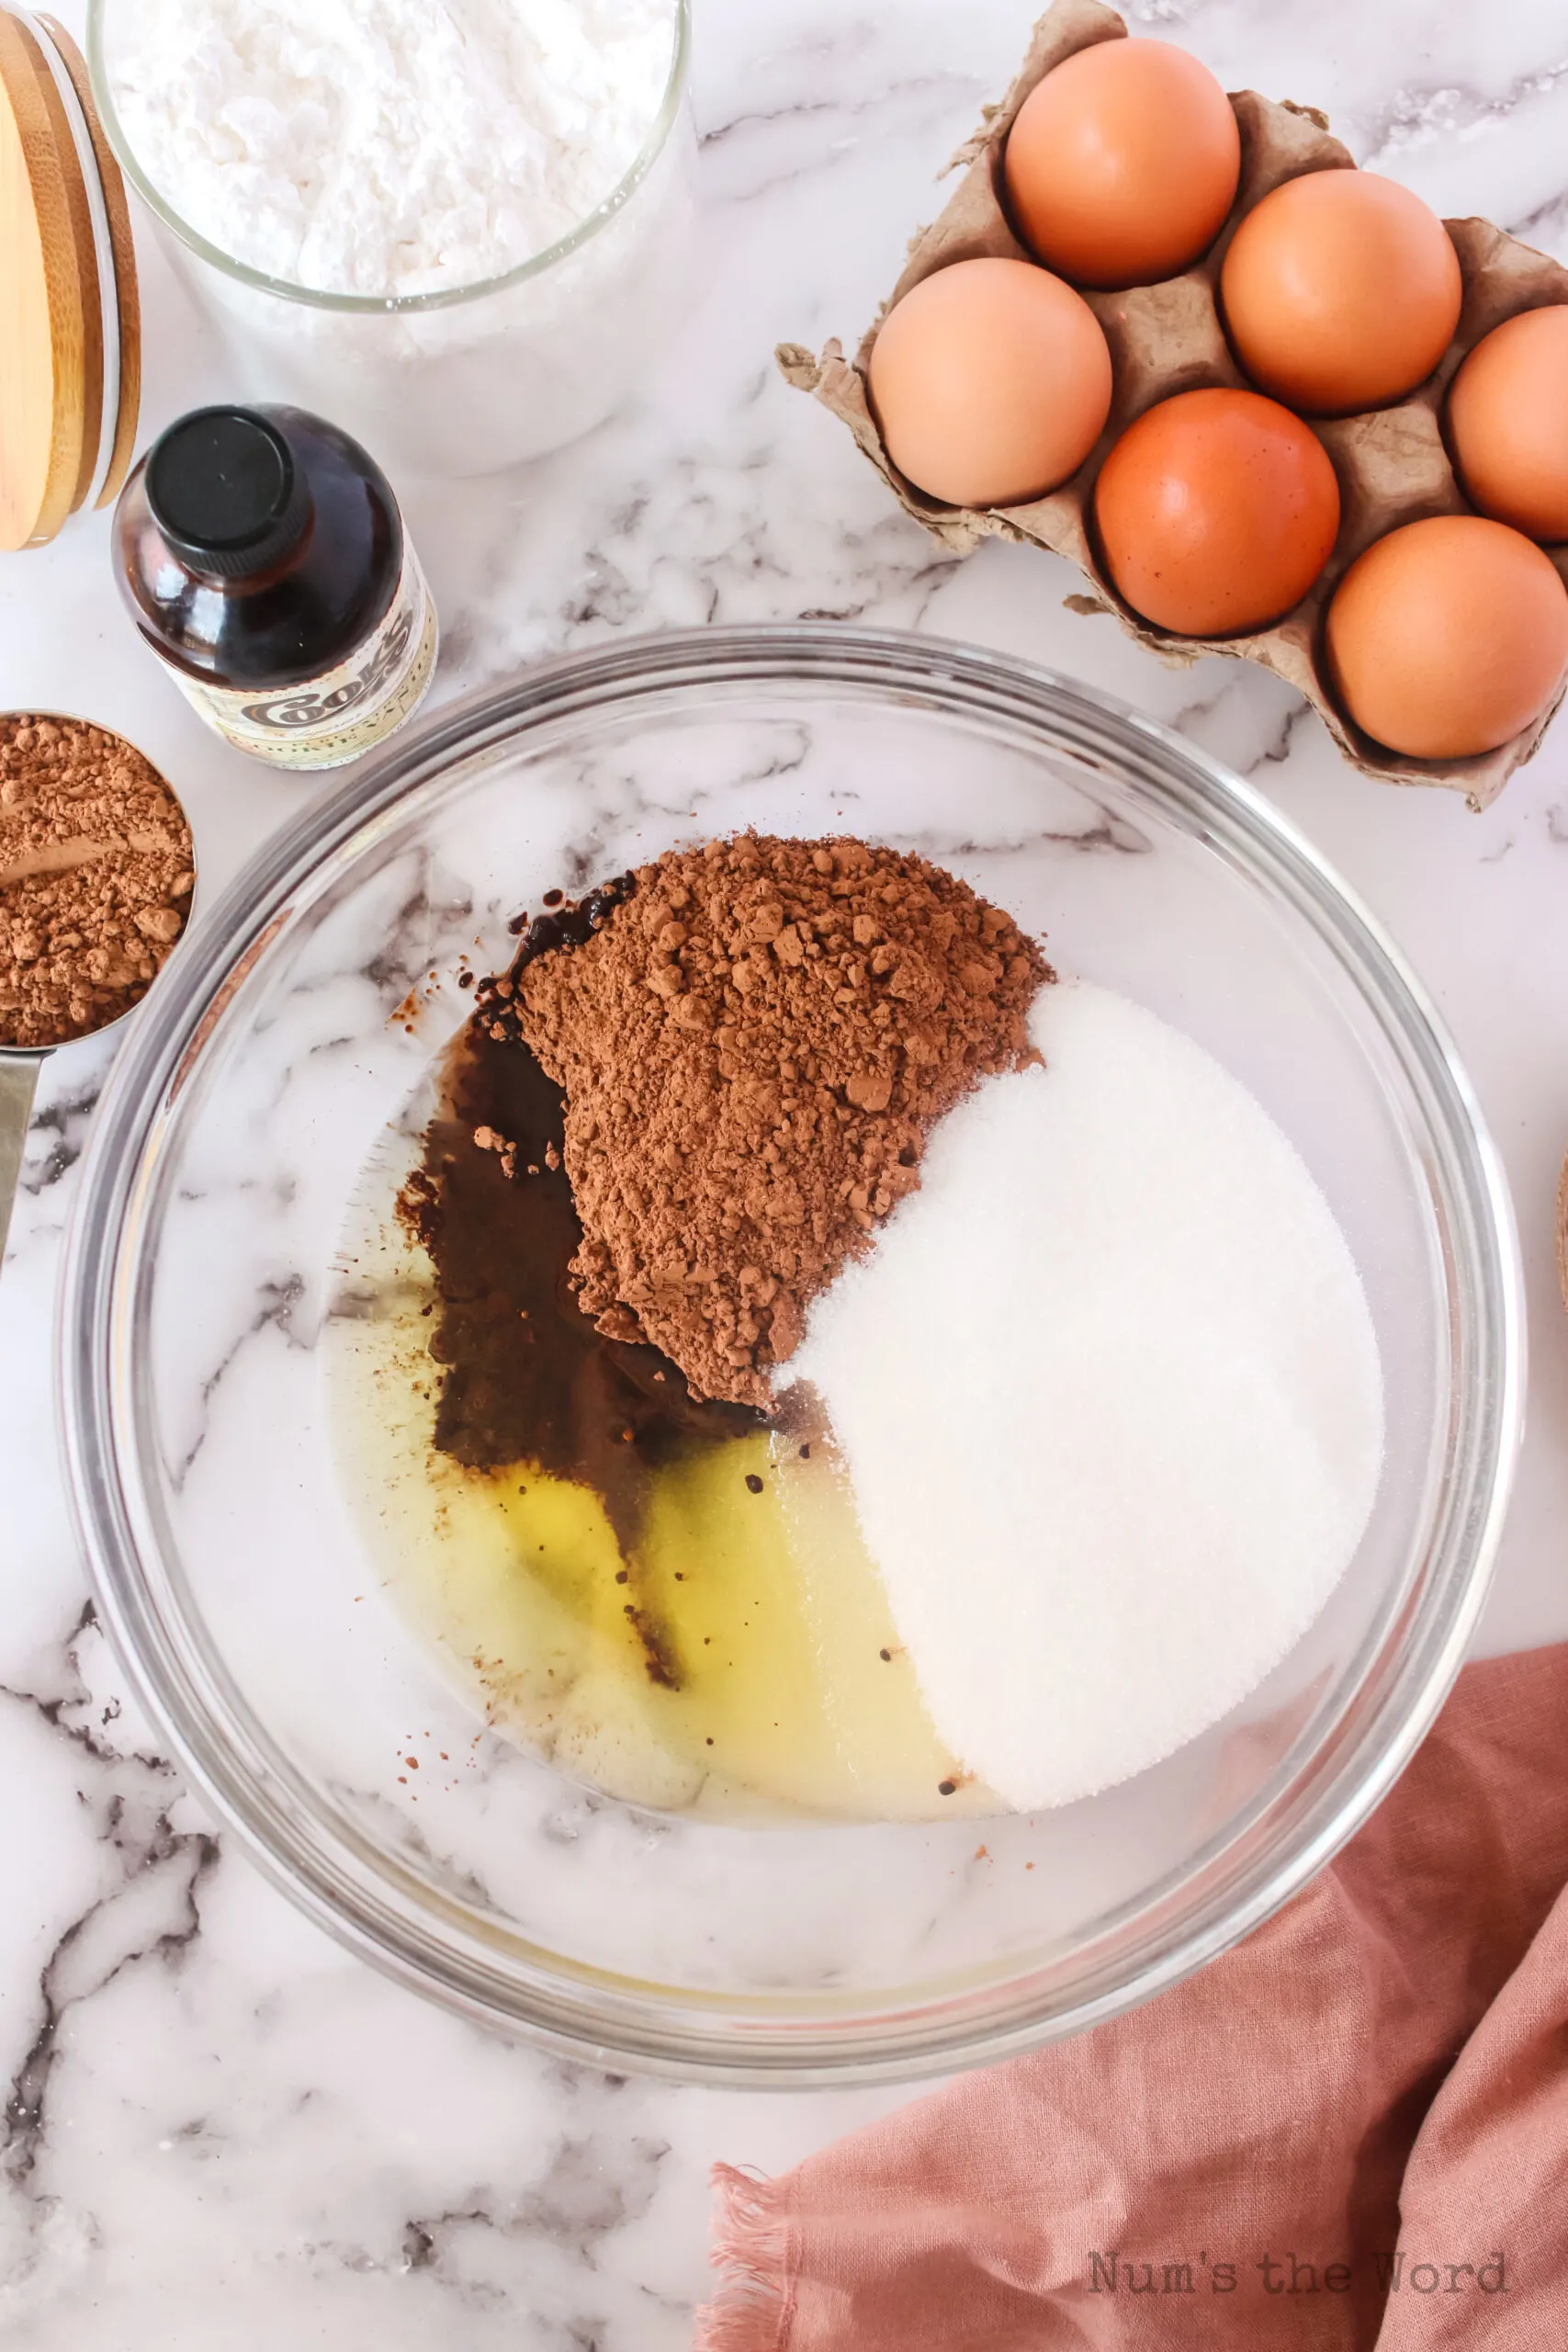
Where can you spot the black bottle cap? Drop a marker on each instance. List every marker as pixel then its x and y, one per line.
pixel 224 490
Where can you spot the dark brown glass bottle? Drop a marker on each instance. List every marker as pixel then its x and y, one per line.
pixel 263 557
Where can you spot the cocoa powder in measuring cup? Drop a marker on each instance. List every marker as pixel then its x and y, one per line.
pixel 96 872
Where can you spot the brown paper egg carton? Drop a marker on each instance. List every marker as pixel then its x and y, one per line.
pixel 1392 463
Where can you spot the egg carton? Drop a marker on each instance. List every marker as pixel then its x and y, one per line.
pixel 1391 463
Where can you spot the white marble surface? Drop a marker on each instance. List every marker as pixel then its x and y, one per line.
pixel 219 2134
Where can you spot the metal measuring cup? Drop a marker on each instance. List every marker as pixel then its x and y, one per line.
pixel 20 1066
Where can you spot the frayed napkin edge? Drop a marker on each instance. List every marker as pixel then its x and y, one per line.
pixel 751 2252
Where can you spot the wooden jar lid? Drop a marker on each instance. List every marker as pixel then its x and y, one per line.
pixel 70 321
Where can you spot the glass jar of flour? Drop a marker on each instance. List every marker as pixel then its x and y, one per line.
pixel 456 228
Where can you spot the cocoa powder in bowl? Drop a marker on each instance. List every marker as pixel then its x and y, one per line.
pixel 96 872
pixel 755 1039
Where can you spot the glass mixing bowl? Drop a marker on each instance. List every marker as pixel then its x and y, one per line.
pixel 203 1276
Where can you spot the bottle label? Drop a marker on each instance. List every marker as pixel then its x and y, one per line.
pixel 324 722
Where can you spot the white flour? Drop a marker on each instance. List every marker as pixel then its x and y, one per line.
pixel 389 147
pixel 1110 1396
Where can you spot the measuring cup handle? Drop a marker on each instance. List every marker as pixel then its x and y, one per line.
pixel 18 1083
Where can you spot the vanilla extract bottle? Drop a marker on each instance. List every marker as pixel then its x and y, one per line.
pixel 263 557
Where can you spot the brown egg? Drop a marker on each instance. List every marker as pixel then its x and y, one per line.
pixel 1508 424
pixel 992 382
pixel 1216 512
pixel 1341 291
pixel 1448 637
pixel 1122 163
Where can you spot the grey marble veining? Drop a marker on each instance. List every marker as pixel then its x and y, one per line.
pixel 219 2130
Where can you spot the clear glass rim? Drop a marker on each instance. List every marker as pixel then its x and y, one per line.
pixel 389 305
pixel 366 1898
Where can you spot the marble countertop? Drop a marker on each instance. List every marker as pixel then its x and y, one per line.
pixel 220 2132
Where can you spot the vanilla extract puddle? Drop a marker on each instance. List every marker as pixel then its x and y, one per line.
pixel 667 1596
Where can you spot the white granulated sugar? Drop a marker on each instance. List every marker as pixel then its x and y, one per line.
pixel 389 147
pixel 1109 1393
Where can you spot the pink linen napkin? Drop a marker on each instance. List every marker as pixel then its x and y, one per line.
pixel 1350 2131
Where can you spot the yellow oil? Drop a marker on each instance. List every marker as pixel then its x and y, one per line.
pixel 791 1693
